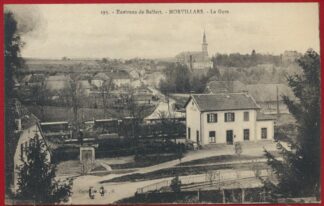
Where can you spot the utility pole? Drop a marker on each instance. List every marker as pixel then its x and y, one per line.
pixel 277 103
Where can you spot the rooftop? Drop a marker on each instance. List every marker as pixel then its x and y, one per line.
pixel 221 102
pixel 263 117
pixel 101 76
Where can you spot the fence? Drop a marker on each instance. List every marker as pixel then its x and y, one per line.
pixel 219 177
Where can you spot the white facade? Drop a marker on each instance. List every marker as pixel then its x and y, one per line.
pixel 121 82
pixel 97 82
pixel 24 141
pixel 220 131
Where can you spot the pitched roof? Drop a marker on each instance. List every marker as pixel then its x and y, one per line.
pixel 264 117
pixel 221 102
pixel 58 78
pixel 84 76
pixel 101 76
pixel 21 112
pixel 268 92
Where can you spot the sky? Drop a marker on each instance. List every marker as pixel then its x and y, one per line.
pixel 82 31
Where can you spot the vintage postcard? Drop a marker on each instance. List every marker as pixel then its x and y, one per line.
pixel 162 103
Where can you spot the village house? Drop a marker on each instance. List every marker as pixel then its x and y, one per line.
pixel 86 87
pixel 226 118
pixel 99 79
pixel 268 96
pixel 120 79
pixel 27 130
pixel 33 80
pixel 57 82
pixel 134 74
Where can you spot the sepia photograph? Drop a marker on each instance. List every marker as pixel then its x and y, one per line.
pixel 142 103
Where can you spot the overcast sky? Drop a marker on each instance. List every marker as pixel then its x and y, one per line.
pixel 82 31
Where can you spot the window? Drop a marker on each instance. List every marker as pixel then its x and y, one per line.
pixel 211 118
pixel 264 133
pixel 212 136
pixel 246 116
pixel 189 133
pixel 197 136
pixel 229 117
pixel 246 133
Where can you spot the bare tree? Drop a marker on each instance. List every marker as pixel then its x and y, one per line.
pixel 168 125
pixel 75 93
pixel 135 110
pixel 104 92
pixel 41 96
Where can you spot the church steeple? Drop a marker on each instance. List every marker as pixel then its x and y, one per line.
pixel 204 46
pixel 204 38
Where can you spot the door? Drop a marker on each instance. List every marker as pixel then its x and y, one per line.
pixel 229 136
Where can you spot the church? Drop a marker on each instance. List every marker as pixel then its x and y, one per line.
pixel 197 61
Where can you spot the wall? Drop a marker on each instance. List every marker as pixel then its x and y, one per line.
pixel 271 107
pixel 192 120
pixel 121 82
pixel 25 137
pixel 97 82
pixel 269 124
pixel 237 126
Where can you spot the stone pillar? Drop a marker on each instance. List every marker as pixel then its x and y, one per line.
pixel 87 154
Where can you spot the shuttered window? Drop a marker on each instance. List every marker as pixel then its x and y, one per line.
pixel 229 117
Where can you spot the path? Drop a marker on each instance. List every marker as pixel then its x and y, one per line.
pixel 117 191
pixel 120 190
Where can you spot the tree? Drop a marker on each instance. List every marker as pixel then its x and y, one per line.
pixel 13 62
pixel 104 91
pixel 36 177
pixel 299 172
pixel 40 95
